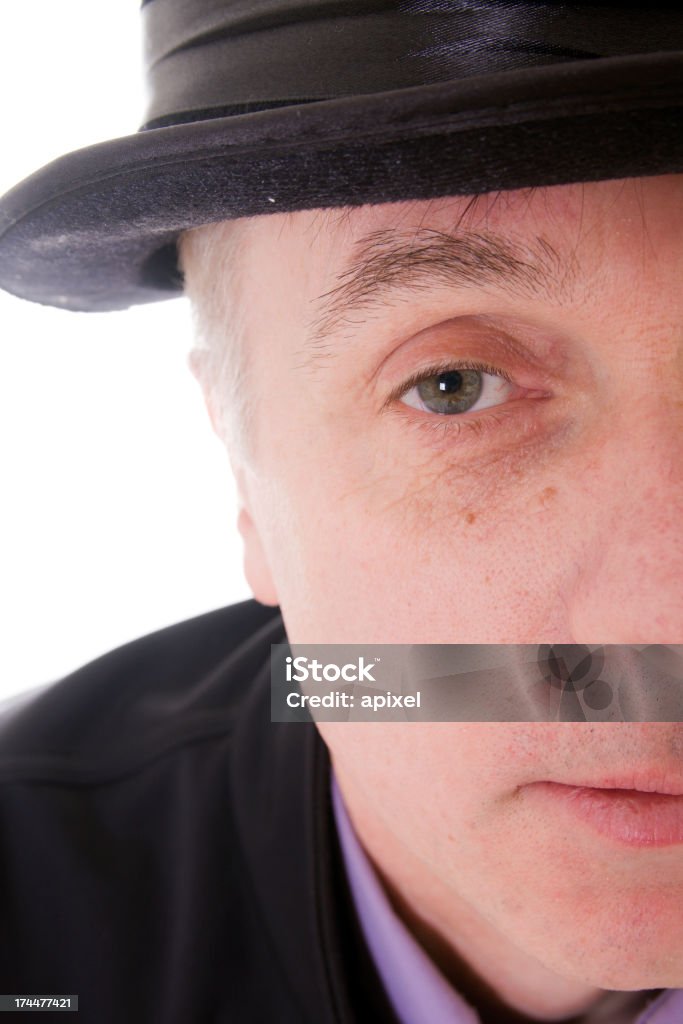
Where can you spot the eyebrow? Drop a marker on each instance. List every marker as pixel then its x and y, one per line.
pixel 386 264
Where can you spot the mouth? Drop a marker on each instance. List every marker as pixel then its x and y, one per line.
pixel 644 811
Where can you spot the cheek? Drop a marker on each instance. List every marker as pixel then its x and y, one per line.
pixel 463 772
pixel 385 560
pixel 423 780
pixel 400 545
pixel 445 794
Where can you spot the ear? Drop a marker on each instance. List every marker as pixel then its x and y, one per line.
pixel 256 565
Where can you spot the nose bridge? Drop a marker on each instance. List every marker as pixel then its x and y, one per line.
pixel 629 584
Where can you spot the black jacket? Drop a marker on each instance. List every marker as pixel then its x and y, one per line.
pixel 166 852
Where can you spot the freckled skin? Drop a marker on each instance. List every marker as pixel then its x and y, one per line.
pixel 561 524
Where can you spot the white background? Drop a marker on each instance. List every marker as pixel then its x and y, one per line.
pixel 118 513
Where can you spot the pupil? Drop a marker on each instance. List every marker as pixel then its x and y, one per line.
pixel 449 382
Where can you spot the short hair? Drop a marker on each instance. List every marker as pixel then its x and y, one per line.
pixel 212 261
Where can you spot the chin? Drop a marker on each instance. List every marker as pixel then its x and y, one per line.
pixel 629 951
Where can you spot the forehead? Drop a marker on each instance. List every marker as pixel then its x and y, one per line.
pixel 520 214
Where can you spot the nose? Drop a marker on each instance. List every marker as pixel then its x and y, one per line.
pixel 628 586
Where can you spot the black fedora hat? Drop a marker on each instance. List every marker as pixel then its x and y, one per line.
pixel 280 105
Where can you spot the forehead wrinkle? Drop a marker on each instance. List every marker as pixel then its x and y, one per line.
pixel 386 262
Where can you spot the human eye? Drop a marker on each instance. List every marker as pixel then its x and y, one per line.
pixel 457 388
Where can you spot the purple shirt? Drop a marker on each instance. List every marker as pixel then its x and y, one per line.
pixel 417 989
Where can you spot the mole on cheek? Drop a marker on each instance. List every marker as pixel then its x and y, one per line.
pixel 546 495
pixel 470 517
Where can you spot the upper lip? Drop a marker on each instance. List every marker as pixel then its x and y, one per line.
pixel 643 782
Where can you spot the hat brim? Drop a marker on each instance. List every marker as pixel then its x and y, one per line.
pixel 96 229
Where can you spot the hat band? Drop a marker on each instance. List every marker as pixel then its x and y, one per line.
pixel 209 58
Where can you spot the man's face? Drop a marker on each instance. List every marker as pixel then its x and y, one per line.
pixel 548 510
pixel 543 508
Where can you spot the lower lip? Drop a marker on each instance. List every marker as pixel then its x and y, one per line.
pixel 625 815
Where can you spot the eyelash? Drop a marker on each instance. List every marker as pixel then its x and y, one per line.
pixel 431 371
